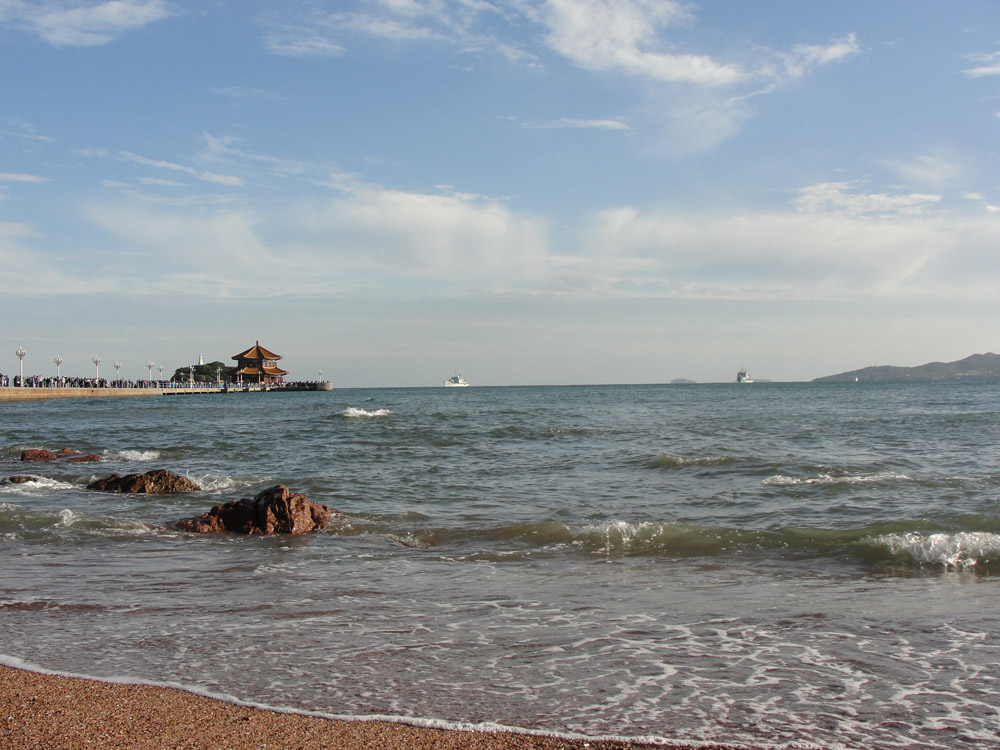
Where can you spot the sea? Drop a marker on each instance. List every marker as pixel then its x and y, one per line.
pixel 774 565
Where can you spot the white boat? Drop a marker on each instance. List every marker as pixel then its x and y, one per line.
pixel 456 381
pixel 743 376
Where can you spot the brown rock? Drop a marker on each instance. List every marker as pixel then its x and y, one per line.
pixel 38 454
pixel 83 458
pixel 156 482
pixel 18 479
pixel 276 510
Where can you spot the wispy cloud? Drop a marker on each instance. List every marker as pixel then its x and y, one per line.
pixel 79 24
pixel 246 92
pixel 985 64
pixel 218 179
pixel 14 177
pixel 578 124
pixel 841 197
pixel 928 169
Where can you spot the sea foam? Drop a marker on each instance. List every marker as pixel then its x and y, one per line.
pixel 961 550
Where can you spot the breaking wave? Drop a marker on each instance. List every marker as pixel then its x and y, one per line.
pixel 352 412
pixel 905 544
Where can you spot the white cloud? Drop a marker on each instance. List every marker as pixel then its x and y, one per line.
pixel 837 243
pixel 14 177
pixel 573 123
pixel 218 179
pixel 928 169
pixel 988 64
pixel 623 36
pixel 839 197
pixel 88 24
pixel 806 57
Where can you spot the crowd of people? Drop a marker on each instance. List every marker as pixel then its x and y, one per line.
pixel 37 381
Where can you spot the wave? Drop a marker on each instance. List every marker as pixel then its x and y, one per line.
pixel 131 456
pixel 964 550
pixel 783 480
pixel 673 461
pixel 352 412
pixel 33 486
pixel 903 544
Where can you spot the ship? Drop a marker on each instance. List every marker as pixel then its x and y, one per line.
pixel 456 381
pixel 743 376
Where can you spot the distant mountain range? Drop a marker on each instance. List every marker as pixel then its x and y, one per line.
pixel 977 367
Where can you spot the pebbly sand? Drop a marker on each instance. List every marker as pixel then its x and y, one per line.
pixel 44 712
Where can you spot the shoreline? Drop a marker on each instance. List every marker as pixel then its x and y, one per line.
pixel 45 711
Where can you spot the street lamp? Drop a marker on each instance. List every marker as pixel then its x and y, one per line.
pixel 20 364
pixel 97 367
pixel 149 366
pixel 118 367
pixel 58 360
pixel 160 368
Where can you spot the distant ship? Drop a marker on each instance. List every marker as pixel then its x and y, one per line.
pixel 743 376
pixel 456 381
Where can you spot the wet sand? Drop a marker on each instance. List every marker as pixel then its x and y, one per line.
pixel 44 712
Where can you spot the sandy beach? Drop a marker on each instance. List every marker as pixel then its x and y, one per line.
pixel 45 712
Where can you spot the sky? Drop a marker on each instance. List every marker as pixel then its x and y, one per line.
pixel 526 192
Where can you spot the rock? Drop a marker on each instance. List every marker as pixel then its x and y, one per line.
pixel 276 510
pixel 19 479
pixel 156 482
pixel 38 454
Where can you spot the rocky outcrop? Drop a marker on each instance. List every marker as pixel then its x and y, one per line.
pixel 156 482
pixel 276 510
pixel 40 454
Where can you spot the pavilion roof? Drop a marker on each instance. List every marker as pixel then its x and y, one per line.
pixel 257 352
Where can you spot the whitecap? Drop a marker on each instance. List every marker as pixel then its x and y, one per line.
pixel 352 412
pixel 964 549
pixel 782 480
pixel 34 485
pixel 131 456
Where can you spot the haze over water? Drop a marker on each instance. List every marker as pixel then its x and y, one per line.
pixel 783 565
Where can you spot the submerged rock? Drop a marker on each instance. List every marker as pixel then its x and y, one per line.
pixel 156 482
pixel 19 479
pixel 40 454
pixel 276 510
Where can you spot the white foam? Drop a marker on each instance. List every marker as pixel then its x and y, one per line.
pixel 43 484
pixel 782 480
pixel 131 456
pixel 352 412
pixel 965 549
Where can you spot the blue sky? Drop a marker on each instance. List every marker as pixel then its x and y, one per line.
pixel 533 191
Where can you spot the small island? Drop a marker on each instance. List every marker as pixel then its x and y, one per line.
pixel 975 367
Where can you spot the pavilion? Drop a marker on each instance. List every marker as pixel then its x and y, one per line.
pixel 260 365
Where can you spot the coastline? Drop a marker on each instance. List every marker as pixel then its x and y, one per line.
pixel 41 711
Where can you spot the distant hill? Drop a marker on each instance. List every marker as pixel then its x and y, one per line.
pixel 977 367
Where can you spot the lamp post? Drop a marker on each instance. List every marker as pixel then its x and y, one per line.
pixel 20 364
pixel 118 367
pixel 58 360
pixel 149 366
pixel 97 367
pixel 160 368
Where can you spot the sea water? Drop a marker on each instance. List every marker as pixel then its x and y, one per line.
pixel 781 565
